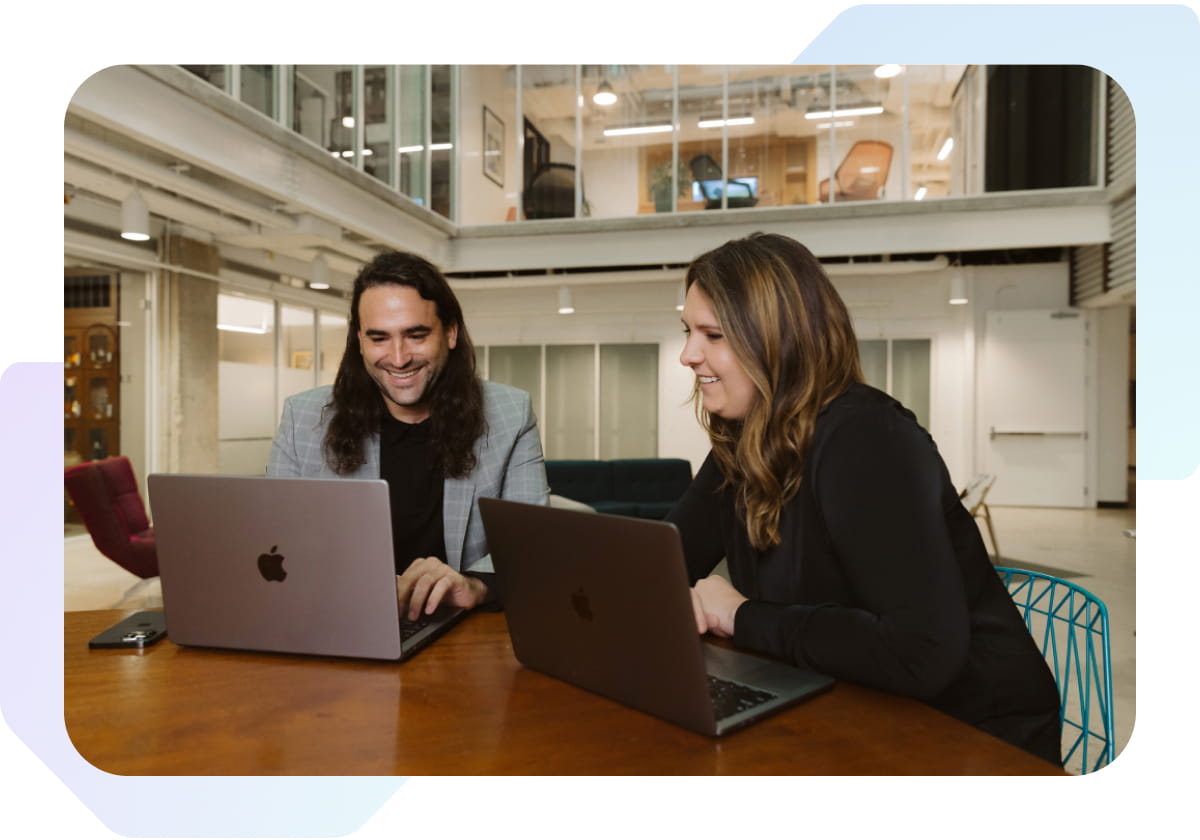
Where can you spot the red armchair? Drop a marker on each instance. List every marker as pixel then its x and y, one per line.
pixel 106 495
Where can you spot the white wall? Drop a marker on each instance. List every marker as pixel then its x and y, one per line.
pixel 481 201
pixel 895 306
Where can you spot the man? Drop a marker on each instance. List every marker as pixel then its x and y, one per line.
pixel 407 406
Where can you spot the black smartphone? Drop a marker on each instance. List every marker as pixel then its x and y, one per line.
pixel 139 630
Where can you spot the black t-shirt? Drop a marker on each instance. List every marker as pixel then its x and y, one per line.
pixel 408 463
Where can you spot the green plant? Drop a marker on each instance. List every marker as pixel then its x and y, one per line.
pixel 660 180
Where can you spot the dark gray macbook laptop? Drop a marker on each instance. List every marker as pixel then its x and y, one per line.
pixel 602 602
pixel 289 565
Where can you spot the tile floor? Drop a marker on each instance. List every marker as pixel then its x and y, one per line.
pixel 1093 546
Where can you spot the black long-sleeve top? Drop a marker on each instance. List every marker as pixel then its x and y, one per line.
pixel 881 577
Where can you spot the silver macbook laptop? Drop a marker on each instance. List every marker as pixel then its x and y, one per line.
pixel 602 602
pixel 290 565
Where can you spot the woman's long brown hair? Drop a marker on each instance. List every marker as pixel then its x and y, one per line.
pixel 792 334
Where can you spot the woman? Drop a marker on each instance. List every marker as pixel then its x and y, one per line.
pixel 847 546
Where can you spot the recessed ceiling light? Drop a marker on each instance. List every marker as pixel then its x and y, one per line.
pixel 887 71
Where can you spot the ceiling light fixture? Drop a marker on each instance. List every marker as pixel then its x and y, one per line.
pixel 135 218
pixel 679 299
pixel 920 193
pixel 638 129
pixel 947 147
pixel 731 121
pixel 433 147
pixel 958 287
pixel 320 274
pixel 604 94
pixel 887 71
pixel 565 306
pixel 856 111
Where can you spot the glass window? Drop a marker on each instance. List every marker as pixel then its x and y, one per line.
pixel 322 106
pixel 548 101
pixel 628 401
pixel 214 74
pixel 569 425
pixel 258 88
pixel 859 120
pixel 378 118
pixel 246 414
pixel 934 153
pixel 487 144
pixel 411 152
pixel 626 110
pixel 441 124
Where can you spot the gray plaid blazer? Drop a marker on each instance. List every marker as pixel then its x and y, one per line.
pixel 509 463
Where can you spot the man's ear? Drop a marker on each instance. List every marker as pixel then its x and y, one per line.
pixel 452 336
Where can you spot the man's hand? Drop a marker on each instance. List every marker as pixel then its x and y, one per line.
pixel 717 601
pixel 428 581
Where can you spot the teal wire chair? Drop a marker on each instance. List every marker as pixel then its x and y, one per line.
pixel 1070 626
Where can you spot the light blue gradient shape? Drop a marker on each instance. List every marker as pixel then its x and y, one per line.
pixel 1150 51
pixel 31 694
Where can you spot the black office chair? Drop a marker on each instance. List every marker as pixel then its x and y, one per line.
pixel 712 179
pixel 551 192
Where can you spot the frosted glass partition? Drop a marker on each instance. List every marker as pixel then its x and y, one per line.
pixel 628 401
pixel 910 376
pixel 569 427
pixel 901 367
pixel 333 344
pixel 520 367
pixel 873 354
pixel 246 414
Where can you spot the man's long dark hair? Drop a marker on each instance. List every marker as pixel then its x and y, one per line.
pixel 456 398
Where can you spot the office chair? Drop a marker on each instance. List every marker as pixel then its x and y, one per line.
pixel 1070 625
pixel 862 173
pixel 711 179
pixel 106 495
pixel 551 193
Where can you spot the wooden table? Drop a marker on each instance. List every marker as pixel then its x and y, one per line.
pixel 462 706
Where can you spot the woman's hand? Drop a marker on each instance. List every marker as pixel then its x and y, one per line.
pixel 715 602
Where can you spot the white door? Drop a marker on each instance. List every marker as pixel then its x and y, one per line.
pixel 1034 409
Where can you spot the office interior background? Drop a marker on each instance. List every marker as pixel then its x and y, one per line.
pixel 978 220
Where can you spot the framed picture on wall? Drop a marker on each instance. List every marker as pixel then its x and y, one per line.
pixel 493 147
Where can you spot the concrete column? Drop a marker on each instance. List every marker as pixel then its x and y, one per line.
pixel 191 356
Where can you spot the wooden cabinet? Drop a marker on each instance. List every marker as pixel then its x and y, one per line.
pixel 91 367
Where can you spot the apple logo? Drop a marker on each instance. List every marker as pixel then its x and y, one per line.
pixel 270 565
pixel 580 602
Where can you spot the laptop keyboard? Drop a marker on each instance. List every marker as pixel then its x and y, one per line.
pixel 730 698
pixel 408 629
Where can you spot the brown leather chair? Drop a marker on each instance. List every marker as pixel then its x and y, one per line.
pixel 106 495
pixel 862 173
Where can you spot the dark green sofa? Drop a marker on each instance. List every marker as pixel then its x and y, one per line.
pixel 642 487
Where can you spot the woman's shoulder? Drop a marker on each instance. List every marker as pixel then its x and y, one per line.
pixel 862 411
